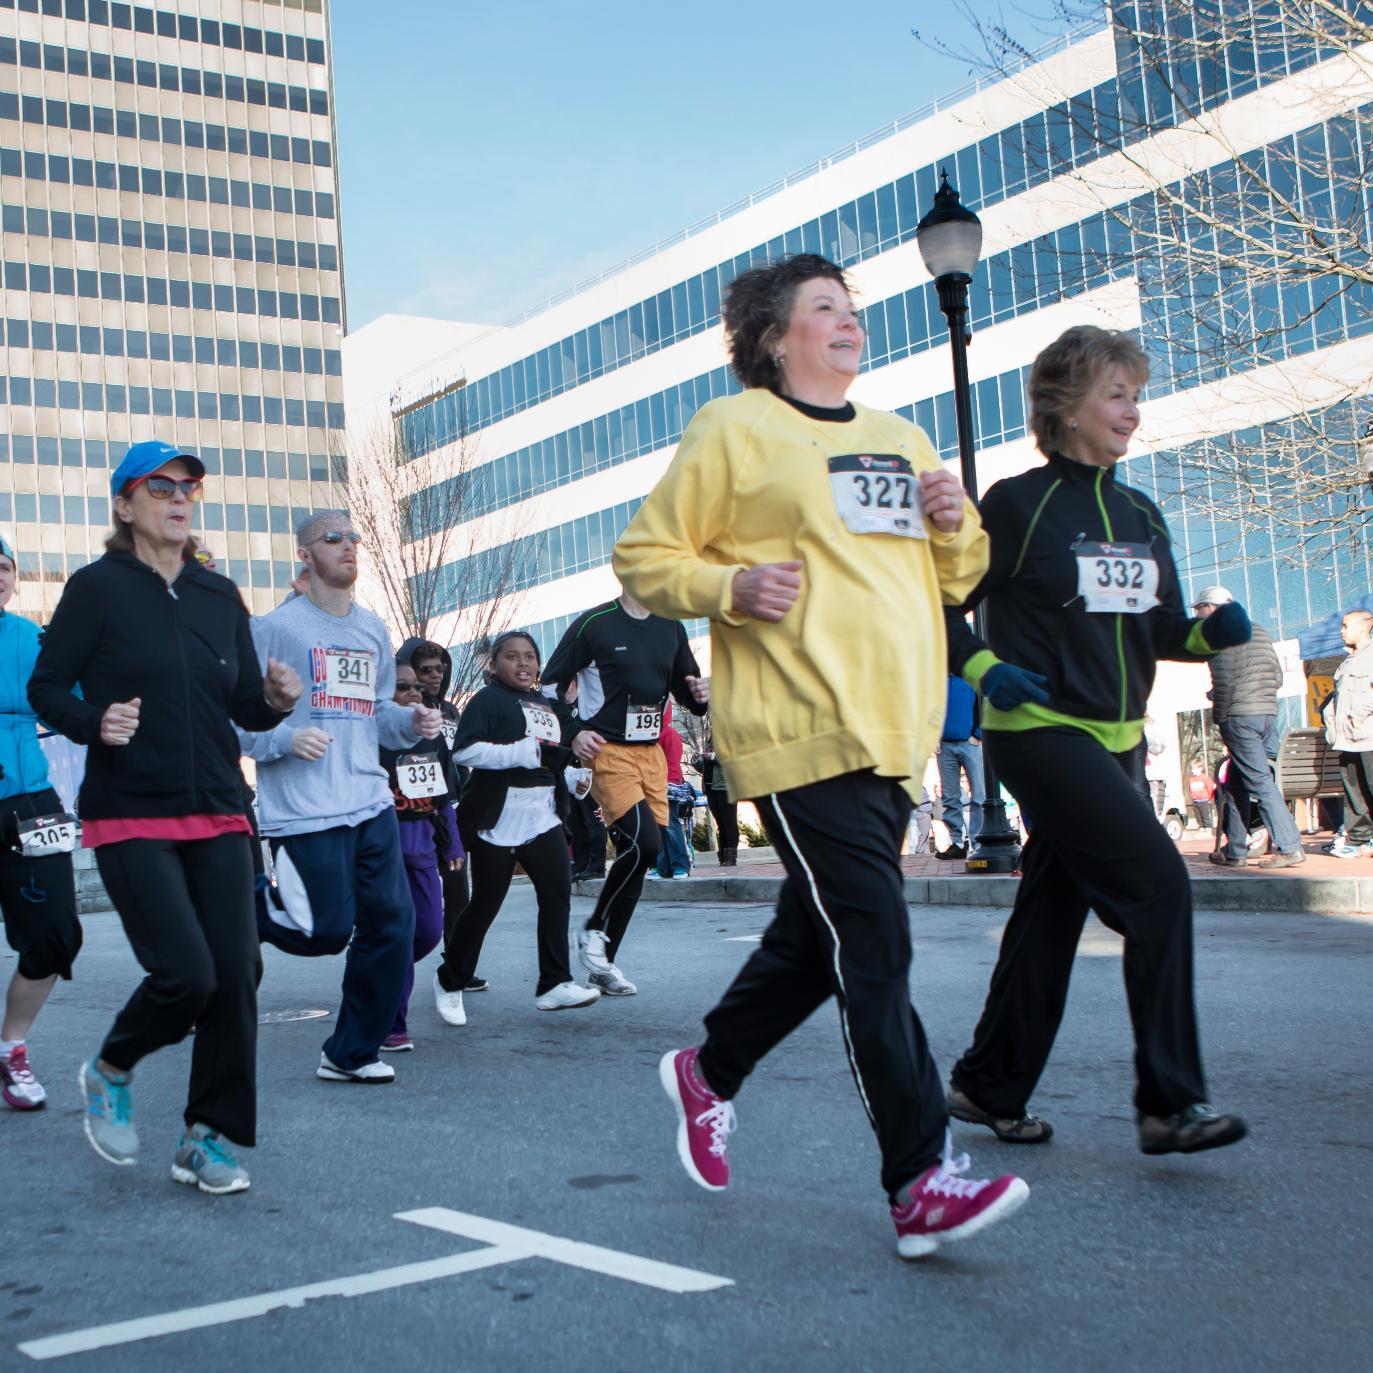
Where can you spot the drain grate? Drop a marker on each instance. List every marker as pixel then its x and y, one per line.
pixel 282 1017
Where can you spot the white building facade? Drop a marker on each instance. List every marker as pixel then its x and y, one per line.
pixel 576 409
pixel 172 269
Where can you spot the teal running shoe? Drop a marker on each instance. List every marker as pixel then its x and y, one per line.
pixel 203 1160
pixel 108 1120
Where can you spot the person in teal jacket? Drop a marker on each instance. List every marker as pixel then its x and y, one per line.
pixel 37 891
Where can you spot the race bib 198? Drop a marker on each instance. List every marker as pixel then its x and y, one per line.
pixel 419 775
pixel 877 493
pixel 540 723
pixel 1116 578
pixel 643 723
pixel 46 834
pixel 350 672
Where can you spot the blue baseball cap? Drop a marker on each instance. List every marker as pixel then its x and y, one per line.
pixel 145 458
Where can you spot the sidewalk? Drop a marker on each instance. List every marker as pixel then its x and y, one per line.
pixel 1323 885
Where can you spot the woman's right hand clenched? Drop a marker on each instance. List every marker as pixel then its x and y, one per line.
pixel 119 722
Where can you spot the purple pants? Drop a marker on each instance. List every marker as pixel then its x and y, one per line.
pixel 426 890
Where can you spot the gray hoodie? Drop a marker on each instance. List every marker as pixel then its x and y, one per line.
pixel 1349 714
pixel 349 674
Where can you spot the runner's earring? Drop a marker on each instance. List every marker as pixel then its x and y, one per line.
pixel 1072 424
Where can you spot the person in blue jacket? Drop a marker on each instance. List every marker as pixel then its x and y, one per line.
pixel 37 891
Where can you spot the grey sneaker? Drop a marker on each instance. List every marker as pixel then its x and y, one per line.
pixel 203 1160
pixel 1022 1129
pixel 613 983
pixel 108 1120
pixel 1193 1129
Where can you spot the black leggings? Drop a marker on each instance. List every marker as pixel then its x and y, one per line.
pixel 545 860
pixel 726 813
pixel 187 909
pixel 1123 866
pixel 37 895
pixel 637 842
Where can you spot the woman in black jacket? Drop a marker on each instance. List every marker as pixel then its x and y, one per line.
pixel 515 742
pixel 162 653
pixel 1082 601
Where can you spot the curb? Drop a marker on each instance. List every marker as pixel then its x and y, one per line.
pixel 1289 895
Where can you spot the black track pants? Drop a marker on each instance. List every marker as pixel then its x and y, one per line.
pixel 841 929
pixel 637 842
pixel 545 860
pixel 1095 844
pixel 187 909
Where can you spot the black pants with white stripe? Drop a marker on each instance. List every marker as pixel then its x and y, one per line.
pixel 841 930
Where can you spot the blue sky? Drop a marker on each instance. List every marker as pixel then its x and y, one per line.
pixel 493 154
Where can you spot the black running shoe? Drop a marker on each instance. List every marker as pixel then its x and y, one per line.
pixel 953 851
pixel 1022 1129
pixel 1193 1129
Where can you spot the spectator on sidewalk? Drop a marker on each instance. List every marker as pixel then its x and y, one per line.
pixel 724 811
pixel 1201 791
pixel 1244 703
pixel 960 754
pixel 674 859
pixel 1348 716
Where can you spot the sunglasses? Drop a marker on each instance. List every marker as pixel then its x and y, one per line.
pixel 407 686
pixel 337 536
pixel 161 488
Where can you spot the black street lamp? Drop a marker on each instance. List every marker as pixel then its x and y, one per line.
pixel 950 239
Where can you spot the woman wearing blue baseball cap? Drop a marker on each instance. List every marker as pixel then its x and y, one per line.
pixel 37 892
pixel 162 651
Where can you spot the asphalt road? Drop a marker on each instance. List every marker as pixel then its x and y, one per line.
pixel 1255 1257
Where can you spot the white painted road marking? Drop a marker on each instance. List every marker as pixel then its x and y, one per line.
pixel 744 939
pixel 506 1244
pixel 666 1277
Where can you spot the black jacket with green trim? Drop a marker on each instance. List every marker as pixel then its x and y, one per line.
pixel 1099 666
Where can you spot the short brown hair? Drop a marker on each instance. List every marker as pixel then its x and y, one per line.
pixel 1063 375
pixel 758 309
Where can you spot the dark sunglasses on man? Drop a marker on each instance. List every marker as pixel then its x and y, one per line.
pixel 337 536
pixel 161 488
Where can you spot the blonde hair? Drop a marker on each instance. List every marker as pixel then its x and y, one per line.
pixel 1062 376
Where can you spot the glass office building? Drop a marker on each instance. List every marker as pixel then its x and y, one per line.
pixel 575 408
pixel 171 269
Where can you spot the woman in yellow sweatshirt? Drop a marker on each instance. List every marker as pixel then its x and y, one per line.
pixel 821 539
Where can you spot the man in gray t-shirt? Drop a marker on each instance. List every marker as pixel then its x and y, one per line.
pixel 325 804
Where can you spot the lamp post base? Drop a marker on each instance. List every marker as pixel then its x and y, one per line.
pixel 996 850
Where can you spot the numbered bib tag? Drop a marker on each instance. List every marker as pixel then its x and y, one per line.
pixel 877 493
pixel 540 722
pixel 643 724
pixel 419 775
pixel 350 672
pixel 46 834
pixel 449 729
pixel 1116 578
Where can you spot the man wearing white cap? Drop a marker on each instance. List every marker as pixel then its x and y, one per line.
pixel 1244 703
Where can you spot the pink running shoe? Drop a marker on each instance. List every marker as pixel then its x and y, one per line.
pixel 704 1121
pixel 18 1085
pixel 942 1206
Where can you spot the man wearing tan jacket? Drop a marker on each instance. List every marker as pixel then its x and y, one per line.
pixel 1348 716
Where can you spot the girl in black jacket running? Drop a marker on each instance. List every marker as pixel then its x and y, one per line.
pixel 1082 601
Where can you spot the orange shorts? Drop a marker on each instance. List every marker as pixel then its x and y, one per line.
pixel 622 775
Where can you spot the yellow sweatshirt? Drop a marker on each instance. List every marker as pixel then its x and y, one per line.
pixel 854 675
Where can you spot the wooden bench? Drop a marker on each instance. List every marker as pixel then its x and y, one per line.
pixel 1307 767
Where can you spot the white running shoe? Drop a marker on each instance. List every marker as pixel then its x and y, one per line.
pixel 371 1074
pixel 448 1005
pixel 591 951
pixel 613 983
pixel 567 996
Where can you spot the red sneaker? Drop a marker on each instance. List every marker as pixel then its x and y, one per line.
pixel 942 1206
pixel 704 1121
pixel 18 1085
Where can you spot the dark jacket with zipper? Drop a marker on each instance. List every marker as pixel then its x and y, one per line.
pixel 495 716
pixel 1099 666
pixel 186 652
